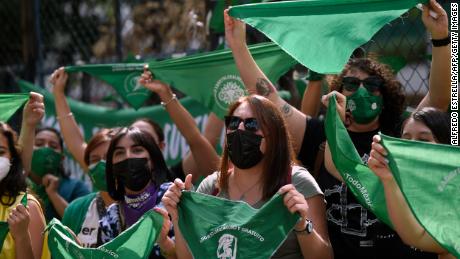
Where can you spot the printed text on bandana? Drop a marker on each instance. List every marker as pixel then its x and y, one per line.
pixel 232 227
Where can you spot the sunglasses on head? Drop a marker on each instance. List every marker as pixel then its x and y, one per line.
pixel 372 83
pixel 233 122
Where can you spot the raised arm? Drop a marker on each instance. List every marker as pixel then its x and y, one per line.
pixel 32 115
pixel 312 98
pixel 204 154
pixel 257 83
pixel 404 222
pixel 71 133
pixel 212 133
pixel 439 90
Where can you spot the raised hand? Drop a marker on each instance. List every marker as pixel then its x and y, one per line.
pixel 377 161
pixel 155 86
pixel 59 80
pixel 341 102
pixel 34 110
pixel 439 26
pixel 172 196
pixel 235 31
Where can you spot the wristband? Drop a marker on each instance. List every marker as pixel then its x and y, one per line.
pixel 441 42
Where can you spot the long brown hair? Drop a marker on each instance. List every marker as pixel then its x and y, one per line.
pixel 279 154
pixel 101 137
pixel 392 92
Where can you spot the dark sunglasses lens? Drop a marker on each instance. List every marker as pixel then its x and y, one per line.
pixel 232 122
pixel 351 83
pixel 251 124
pixel 373 84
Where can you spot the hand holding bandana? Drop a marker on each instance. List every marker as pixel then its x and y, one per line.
pixel 233 229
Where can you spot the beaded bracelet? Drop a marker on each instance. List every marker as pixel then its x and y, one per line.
pixel 70 114
pixel 174 97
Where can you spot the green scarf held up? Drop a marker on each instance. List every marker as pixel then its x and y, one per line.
pixel 4 228
pixel 211 78
pixel 10 103
pixel 233 229
pixel 362 182
pixel 135 242
pixel 429 178
pixel 322 34
pixel 122 77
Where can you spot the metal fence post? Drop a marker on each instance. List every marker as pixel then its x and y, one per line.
pixel 39 46
pixel 118 39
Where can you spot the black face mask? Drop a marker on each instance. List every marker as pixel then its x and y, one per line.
pixel 244 148
pixel 133 173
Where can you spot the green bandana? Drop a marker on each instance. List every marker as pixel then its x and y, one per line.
pixel 97 174
pixel 429 177
pixel 364 106
pixel 233 229
pixel 45 161
pixel 122 77
pixel 135 242
pixel 4 228
pixel 362 182
pixel 322 34
pixel 211 78
pixel 10 103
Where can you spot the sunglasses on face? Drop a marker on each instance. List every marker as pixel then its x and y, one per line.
pixel 233 122
pixel 372 83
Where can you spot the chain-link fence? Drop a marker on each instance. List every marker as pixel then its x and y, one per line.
pixel 38 36
pixel 41 35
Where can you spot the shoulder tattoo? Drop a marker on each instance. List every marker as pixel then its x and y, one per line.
pixel 286 110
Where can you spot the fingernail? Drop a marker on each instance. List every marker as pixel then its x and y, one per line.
pixel 387 161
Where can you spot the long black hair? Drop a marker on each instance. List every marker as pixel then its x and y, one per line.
pixel 15 181
pixel 159 174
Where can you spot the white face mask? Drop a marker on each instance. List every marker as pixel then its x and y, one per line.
pixel 4 167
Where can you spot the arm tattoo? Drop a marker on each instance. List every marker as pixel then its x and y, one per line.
pixel 264 87
pixel 286 110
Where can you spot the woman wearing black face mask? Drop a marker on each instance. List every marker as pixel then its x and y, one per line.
pixel 258 147
pixel 137 178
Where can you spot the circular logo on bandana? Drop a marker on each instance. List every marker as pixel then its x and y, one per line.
pixel 351 105
pixel 227 247
pixel 374 106
pixel 227 90
pixel 132 86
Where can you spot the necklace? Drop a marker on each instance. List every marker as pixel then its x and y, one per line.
pixel 243 195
